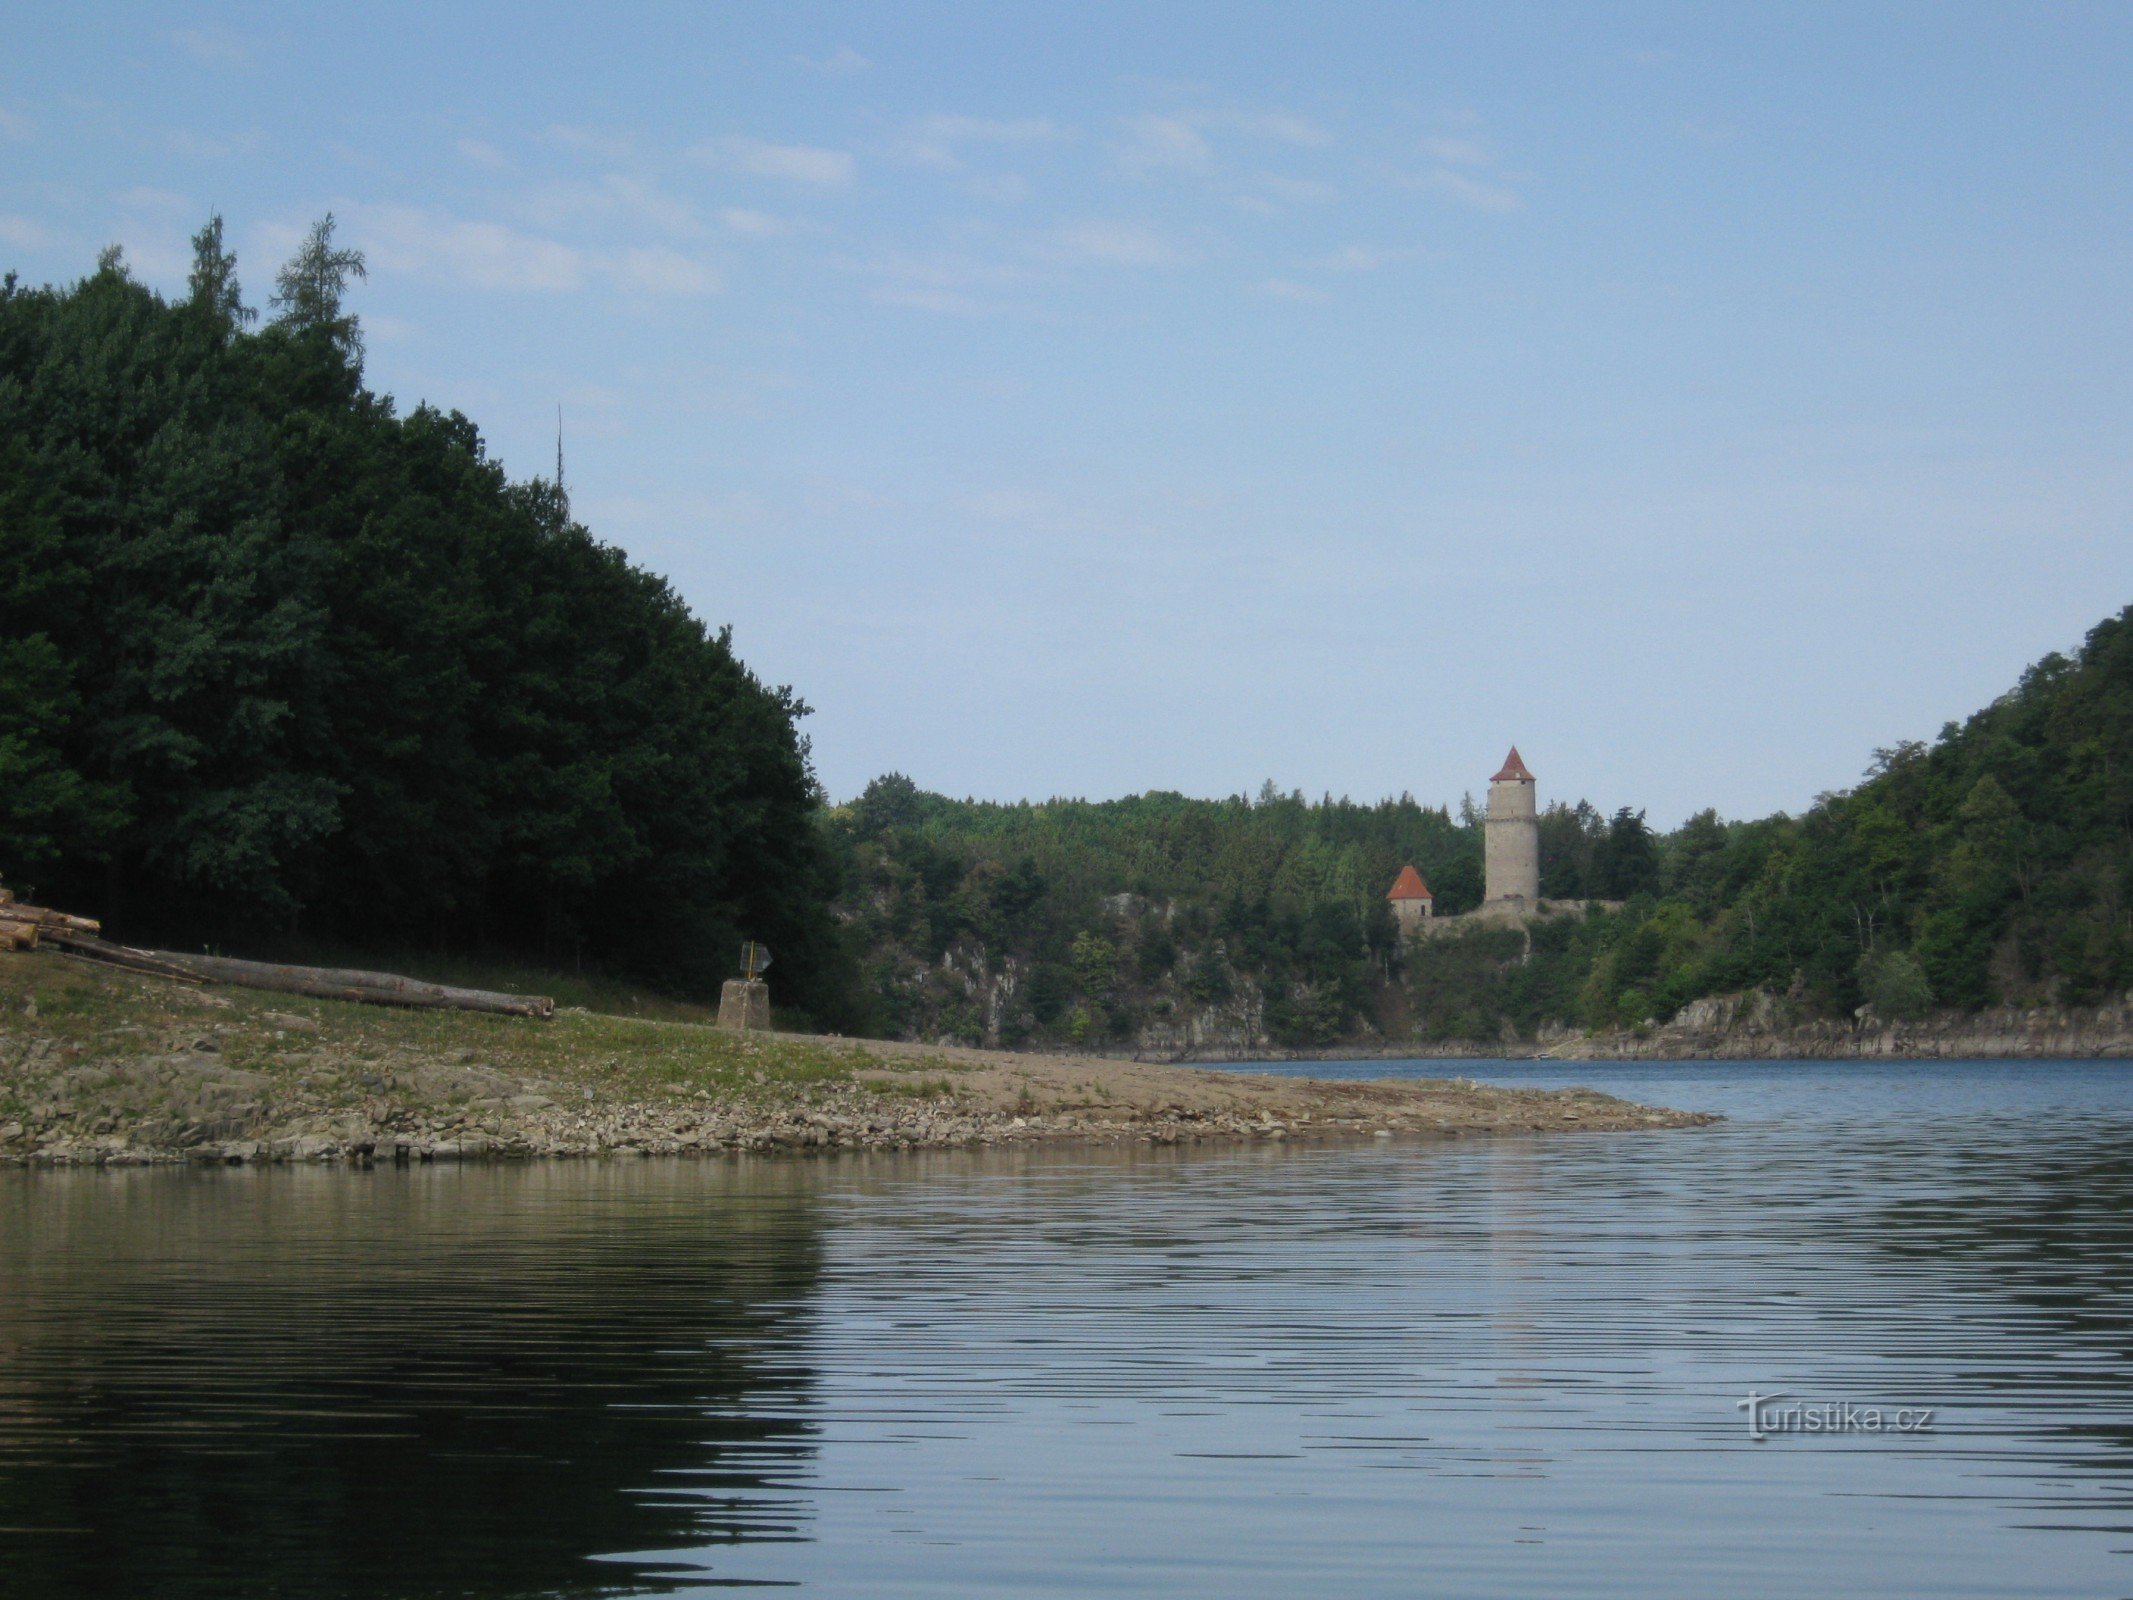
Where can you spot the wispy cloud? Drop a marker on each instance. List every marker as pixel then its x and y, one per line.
pixel 1295 191
pixel 23 233
pixel 209 147
pixel 755 224
pixel 1282 126
pixel 481 255
pixel 1126 244
pixel 488 255
pixel 663 271
pixel 844 62
pixel 1465 170
pixel 612 197
pixel 1460 151
pixel 1360 258
pixel 143 198
pixel 215 47
pixel 1178 141
pixel 608 146
pixel 791 163
pixel 1150 144
pixel 1466 190
pixel 952 281
pixel 1290 289
pixel 936 141
pixel 14 125
pixel 481 153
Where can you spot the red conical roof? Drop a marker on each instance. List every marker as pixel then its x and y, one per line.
pixel 1513 770
pixel 1409 886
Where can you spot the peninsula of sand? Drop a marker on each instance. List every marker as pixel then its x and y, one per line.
pixel 101 1067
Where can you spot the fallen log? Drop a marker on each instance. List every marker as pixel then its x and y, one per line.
pixel 16 935
pixel 322 983
pixel 90 948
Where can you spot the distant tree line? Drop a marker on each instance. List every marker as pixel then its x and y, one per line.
pixel 279 661
pixel 1993 866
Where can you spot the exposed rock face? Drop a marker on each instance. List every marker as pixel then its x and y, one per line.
pixel 1760 1024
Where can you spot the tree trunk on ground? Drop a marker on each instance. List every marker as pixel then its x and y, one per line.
pixel 324 983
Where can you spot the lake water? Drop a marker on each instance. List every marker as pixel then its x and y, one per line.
pixel 1492 1367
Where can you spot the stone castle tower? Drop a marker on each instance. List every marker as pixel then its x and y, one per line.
pixel 1412 903
pixel 1511 854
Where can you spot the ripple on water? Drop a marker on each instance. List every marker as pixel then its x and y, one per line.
pixel 1483 1367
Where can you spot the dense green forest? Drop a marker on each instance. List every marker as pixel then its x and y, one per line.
pixel 1993 866
pixel 280 663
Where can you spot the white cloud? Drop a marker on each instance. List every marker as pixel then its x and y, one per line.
pixel 792 163
pixel 1118 243
pixel 488 255
pixel 483 255
pixel 23 233
pixel 146 199
pixel 1361 258
pixel 1458 152
pixel 755 224
pixel 1005 186
pixel 1177 141
pixel 590 141
pixel 1010 505
pixel 1296 191
pixel 1468 191
pixel 1466 171
pixel 845 63
pixel 945 280
pixel 1282 126
pixel 949 301
pixel 933 141
pixel 1162 144
pixel 481 153
pixel 611 197
pixel 209 148
pixel 1289 289
pixel 384 328
pixel 663 271
pixel 215 47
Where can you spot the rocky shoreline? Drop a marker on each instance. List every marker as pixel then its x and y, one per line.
pixel 1760 1026
pixel 101 1068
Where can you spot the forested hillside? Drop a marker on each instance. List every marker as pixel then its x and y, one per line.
pixel 1995 865
pixel 278 661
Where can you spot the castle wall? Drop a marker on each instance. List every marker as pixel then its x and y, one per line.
pixel 1410 914
pixel 1511 843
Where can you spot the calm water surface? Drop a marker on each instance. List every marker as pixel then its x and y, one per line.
pixel 1496 1367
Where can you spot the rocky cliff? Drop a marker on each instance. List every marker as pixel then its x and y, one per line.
pixel 1758 1025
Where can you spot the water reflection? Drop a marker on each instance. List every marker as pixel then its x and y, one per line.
pixel 1481 1367
pixel 419 1382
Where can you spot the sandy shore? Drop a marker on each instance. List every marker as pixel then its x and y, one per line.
pixel 100 1067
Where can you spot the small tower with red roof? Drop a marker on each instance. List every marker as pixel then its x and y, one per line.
pixel 1511 839
pixel 1412 903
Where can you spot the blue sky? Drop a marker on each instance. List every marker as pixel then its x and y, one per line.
pixel 1087 399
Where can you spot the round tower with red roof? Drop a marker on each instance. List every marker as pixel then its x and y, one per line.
pixel 1511 856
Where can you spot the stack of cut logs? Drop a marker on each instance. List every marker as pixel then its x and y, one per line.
pixel 25 927
pixel 19 923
